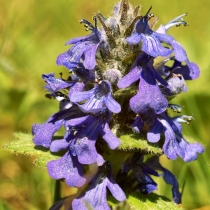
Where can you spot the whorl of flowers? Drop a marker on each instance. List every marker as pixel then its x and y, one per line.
pixel 118 83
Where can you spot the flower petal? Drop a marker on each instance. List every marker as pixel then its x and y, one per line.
pixel 68 168
pixel 55 83
pixel 112 141
pixel 154 133
pixel 179 52
pixel 111 104
pixel 148 96
pixel 135 38
pixel 43 133
pixel 95 197
pixel 130 78
pixel 152 47
pixel 90 57
pixel 115 190
pixel 81 96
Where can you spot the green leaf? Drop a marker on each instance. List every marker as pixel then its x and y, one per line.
pixel 23 145
pixel 131 142
pixel 140 201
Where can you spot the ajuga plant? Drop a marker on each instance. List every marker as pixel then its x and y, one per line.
pixel 114 108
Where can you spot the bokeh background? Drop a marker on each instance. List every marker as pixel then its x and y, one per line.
pixel 32 34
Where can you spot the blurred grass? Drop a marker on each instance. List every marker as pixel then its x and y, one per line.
pixel 32 34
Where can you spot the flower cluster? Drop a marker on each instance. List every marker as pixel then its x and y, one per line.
pixel 124 60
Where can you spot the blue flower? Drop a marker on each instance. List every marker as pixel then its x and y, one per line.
pixel 189 71
pixel 176 83
pixel 86 131
pixel 68 168
pixel 43 133
pixel 151 40
pixel 174 145
pixel 142 171
pixel 149 95
pixel 168 177
pixel 179 52
pixel 82 134
pixel 95 196
pixel 76 82
pixel 56 84
pixel 84 48
pixel 99 98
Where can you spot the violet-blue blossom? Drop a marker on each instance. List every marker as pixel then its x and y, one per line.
pixel 149 94
pixel 68 168
pixel 175 144
pixel 95 196
pixel 99 98
pixel 89 129
pixel 82 134
pixel 141 172
pixel 43 133
pixel 151 40
pixel 168 177
pixel 83 49
pixel 189 71
pixel 119 83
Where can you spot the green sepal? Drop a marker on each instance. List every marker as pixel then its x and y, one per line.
pixel 135 142
pixel 23 145
pixel 140 201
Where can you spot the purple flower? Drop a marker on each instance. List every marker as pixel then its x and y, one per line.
pixel 179 51
pixel 84 48
pixel 149 95
pixel 84 134
pixel 168 177
pixel 190 70
pixel 176 83
pixel 95 196
pixel 55 83
pixel 174 145
pixel 151 40
pixel 79 77
pixel 141 172
pixel 43 133
pixel 137 124
pixel 99 98
pixel 68 168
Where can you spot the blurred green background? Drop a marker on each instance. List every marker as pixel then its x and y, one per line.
pixel 32 35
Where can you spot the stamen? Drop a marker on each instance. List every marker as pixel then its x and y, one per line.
pixel 89 27
pixel 178 19
pixel 148 11
pixel 150 15
pixel 175 108
pixel 176 22
pixel 183 119
pixel 95 20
